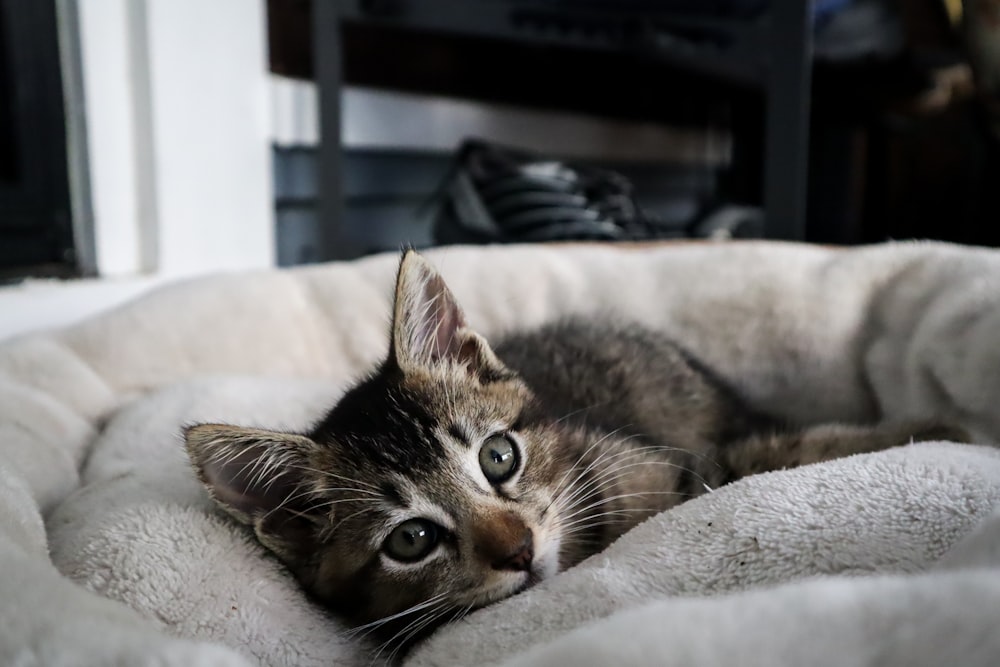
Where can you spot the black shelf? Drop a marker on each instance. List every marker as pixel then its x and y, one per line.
pixel 766 50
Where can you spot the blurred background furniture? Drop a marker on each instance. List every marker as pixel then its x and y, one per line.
pixel 142 139
pixel 618 58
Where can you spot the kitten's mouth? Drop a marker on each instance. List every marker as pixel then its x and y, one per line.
pixel 532 577
pixel 535 576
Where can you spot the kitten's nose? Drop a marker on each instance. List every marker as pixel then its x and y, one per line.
pixel 520 560
pixel 505 542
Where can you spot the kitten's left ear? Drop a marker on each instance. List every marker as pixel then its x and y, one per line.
pixel 262 479
pixel 429 327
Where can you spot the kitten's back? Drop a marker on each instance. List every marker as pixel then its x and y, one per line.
pixel 625 377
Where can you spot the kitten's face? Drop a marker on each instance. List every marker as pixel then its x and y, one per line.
pixel 422 491
pixel 443 496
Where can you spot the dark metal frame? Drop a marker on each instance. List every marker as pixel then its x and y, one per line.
pixel 36 233
pixel 771 50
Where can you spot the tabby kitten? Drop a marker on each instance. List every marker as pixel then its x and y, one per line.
pixel 456 474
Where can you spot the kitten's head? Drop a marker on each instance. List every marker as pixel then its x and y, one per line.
pixel 423 489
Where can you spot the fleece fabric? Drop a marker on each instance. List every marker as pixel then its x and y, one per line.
pixel 111 552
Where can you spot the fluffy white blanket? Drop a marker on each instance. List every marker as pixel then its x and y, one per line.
pixel 112 554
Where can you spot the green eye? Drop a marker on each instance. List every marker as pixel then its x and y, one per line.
pixel 411 540
pixel 498 458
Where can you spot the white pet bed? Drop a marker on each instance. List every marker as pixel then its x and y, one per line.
pixel 111 553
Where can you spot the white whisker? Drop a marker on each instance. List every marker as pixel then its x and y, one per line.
pixel 353 632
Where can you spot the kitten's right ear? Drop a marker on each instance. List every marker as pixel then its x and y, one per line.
pixel 429 327
pixel 260 478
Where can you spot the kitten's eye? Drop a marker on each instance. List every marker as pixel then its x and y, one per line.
pixel 498 458
pixel 412 540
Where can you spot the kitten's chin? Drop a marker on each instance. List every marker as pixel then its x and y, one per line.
pixel 535 575
pixel 513 584
pixel 519 582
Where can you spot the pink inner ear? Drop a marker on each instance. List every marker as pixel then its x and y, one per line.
pixel 442 320
pixel 242 483
pixel 448 325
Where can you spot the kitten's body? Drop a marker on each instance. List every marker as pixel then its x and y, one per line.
pixel 656 416
pixel 454 476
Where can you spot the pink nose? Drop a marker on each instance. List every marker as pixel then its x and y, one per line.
pixel 503 541
pixel 520 559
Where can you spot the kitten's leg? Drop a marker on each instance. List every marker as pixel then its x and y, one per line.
pixel 764 452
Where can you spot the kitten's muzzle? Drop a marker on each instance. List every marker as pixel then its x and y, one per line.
pixel 520 561
pixel 505 542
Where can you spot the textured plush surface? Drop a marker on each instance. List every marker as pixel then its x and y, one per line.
pixel 112 553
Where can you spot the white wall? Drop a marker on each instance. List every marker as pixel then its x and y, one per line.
pixel 178 123
pixel 107 70
pixel 211 134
